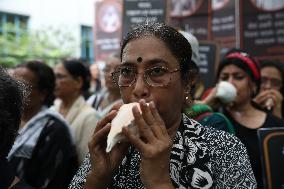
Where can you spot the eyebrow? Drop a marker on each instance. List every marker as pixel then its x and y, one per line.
pixel 148 63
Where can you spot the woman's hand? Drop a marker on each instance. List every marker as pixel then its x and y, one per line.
pixel 154 144
pixel 271 100
pixel 104 164
pixel 211 99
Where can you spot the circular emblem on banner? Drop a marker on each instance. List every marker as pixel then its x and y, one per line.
pixel 218 4
pixel 109 17
pixel 268 5
pixel 183 8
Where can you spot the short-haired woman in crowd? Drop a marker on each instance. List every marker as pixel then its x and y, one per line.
pixel 44 153
pixel 172 151
pixel 72 81
pixel 111 95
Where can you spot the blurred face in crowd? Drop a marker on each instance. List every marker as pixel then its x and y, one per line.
pixel 241 80
pixel 95 71
pixel 110 66
pixel 270 78
pixel 36 97
pixel 156 77
pixel 66 85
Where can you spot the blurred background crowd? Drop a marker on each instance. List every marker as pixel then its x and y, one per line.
pixel 61 54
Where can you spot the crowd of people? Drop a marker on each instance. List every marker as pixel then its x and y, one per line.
pixel 54 121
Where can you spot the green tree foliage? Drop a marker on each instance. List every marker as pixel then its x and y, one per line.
pixel 49 45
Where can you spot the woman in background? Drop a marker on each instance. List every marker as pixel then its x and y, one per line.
pixel 112 95
pixel 242 71
pixel 271 92
pixel 71 82
pixel 44 153
pixel 11 107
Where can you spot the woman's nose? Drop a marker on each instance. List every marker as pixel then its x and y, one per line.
pixel 141 89
pixel 266 85
pixel 231 80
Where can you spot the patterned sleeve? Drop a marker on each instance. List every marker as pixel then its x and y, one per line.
pixel 79 179
pixel 230 163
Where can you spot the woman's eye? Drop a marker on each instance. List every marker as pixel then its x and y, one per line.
pixel 239 77
pixel 158 71
pixel 224 78
pixel 126 72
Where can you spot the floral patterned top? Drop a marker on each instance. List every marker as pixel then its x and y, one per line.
pixel 201 157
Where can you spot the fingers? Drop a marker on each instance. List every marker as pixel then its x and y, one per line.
pixel 151 128
pixel 116 106
pixel 143 128
pixel 277 94
pixel 161 126
pixel 134 140
pixel 146 113
pixel 153 118
pixel 263 96
pixel 107 119
pixel 99 136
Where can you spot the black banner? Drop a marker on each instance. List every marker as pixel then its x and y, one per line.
pixel 209 57
pixel 107 28
pixel 137 11
pixel 263 28
pixel 224 23
pixel 191 16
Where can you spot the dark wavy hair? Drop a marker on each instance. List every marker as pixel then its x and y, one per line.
pixel 11 108
pixel 174 41
pixel 76 69
pixel 45 78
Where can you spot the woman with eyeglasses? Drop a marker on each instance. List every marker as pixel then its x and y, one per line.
pixel 109 95
pixel 271 92
pixel 172 151
pixel 44 154
pixel 72 80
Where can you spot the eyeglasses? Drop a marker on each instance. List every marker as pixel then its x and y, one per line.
pixel 274 83
pixel 126 76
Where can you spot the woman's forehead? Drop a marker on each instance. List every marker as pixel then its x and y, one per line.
pixel 232 68
pixel 271 71
pixel 24 73
pixel 60 68
pixel 147 50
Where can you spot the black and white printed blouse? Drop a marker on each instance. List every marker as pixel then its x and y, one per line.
pixel 201 157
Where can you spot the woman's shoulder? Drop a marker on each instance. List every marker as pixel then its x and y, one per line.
pixel 87 112
pixel 210 136
pixel 228 156
pixel 57 127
